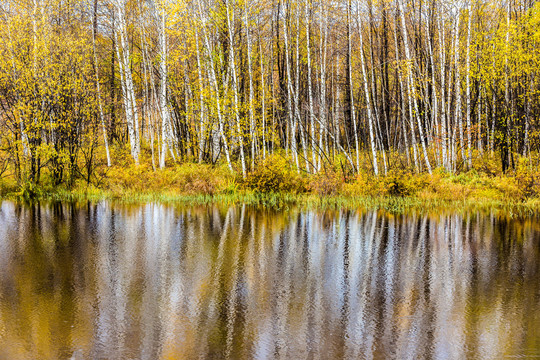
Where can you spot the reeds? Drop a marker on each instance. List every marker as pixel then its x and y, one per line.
pixel 284 201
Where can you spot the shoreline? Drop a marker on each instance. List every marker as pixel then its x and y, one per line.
pixel 282 201
pixel 278 185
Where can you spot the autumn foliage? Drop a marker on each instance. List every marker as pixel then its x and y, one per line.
pixel 389 98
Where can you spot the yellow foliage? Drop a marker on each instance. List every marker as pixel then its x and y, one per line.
pixel 276 174
pixel 186 178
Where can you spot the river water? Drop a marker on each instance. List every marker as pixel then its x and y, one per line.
pixel 105 281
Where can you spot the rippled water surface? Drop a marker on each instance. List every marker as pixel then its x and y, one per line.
pixel 102 281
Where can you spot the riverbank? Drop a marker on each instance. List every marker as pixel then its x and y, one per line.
pixel 283 201
pixel 276 184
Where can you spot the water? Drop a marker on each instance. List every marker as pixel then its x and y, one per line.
pixel 157 282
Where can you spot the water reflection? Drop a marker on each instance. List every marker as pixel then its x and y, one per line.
pixel 149 282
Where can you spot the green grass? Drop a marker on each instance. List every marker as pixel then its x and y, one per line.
pixel 283 201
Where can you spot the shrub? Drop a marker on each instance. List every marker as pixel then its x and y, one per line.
pixel 199 179
pixel 132 177
pixel 487 165
pixel 359 187
pixel 528 180
pixel 507 186
pixel 7 187
pixel 29 191
pixel 275 174
pixel 398 183
pixel 186 178
pixel 326 183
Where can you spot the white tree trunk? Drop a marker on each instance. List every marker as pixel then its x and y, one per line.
pixel 410 84
pixel 468 87
pixel 98 86
pixel 458 118
pixel 297 114
pixel 128 91
pixel 252 125
pixel 444 132
pixel 202 130
pixel 290 115
pixel 235 88
pixel 310 90
pixel 403 111
pixel 351 92
pixel 263 98
pixel 213 79
pixel 368 102
pixel 166 131
pixel 322 93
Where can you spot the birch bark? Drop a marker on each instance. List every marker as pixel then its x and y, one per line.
pixel 235 88
pixel 166 130
pixel 349 69
pixel 128 90
pixel 290 91
pixel 310 90
pixel 367 95
pixel 98 86
pixel 202 130
pixel 252 127
pixel 468 87
pixel 410 84
pixel 213 79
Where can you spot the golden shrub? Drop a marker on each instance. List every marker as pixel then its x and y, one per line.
pixel 276 174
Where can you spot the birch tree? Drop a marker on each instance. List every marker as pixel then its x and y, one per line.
pixel 412 98
pixel 166 130
pixel 367 97
pixel 126 78
pixel 98 85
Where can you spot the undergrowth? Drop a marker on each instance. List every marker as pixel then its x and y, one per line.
pixel 276 182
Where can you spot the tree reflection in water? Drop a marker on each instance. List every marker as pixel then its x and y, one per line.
pixel 157 281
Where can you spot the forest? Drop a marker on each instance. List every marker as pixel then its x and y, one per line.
pixel 270 93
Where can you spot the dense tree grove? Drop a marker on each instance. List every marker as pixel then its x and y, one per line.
pixel 364 84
